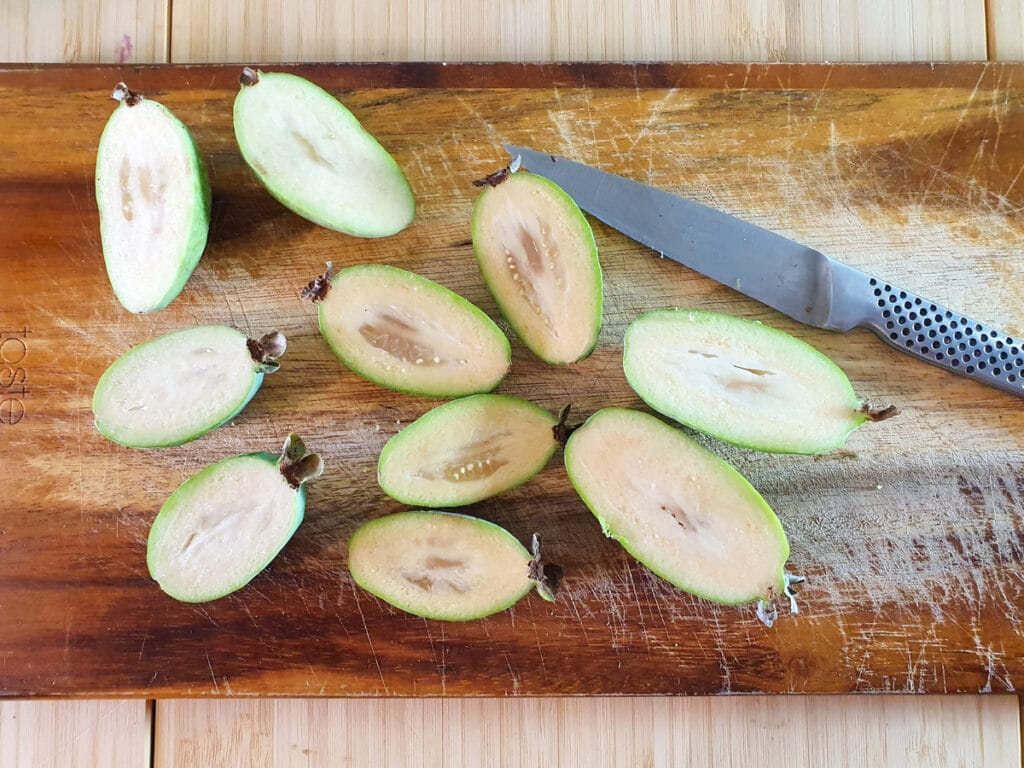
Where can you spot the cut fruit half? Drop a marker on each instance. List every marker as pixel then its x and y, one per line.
pixel 316 159
pixel 220 528
pixel 408 333
pixel 179 386
pixel 467 450
pixel 677 508
pixel 445 566
pixel 538 257
pixel 154 202
pixel 742 382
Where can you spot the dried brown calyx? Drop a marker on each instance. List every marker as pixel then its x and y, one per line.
pixel 494 179
pixel 249 77
pixel 562 430
pixel 123 94
pixel 296 465
pixel 879 414
pixel 318 288
pixel 266 350
pixel 547 576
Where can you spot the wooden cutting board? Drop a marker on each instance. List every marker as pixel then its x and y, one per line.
pixel 911 537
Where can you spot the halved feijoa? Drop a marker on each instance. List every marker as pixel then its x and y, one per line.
pixel 154 202
pixel 538 257
pixel 313 155
pixel 224 525
pixel 445 566
pixel 182 385
pixel 742 382
pixel 677 508
pixel 408 333
pixel 467 450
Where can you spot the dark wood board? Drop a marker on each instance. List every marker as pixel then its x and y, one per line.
pixel 911 538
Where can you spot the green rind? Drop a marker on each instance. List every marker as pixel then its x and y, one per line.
pixel 347 227
pixel 447 293
pixel 667 408
pixel 486 525
pixel 426 420
pixel 588 235
pixel 193 485
pixel 719 464
pixel 101 388
pixel 199 229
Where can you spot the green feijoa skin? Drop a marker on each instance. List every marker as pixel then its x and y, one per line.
pixel 407 333
pixel 538 256
pixel 316 159
pixel 677 508
pixel 742 382
pixel 445 566
pixel 223 526
pixel 468 450
pixel 181 385
pixel 154 202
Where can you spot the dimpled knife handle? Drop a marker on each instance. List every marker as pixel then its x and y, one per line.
pixel 945 338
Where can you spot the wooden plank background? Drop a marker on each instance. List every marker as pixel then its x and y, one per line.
pixel 968 731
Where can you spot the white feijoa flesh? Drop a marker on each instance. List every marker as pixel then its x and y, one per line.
pixel 179 386
pixel 316 159
pixel 677 508
pixel 223 526
pixel 154 202
pixel 742 382
pixel 407 333
pixel 537 255
pixel 444 566
pixel 467 450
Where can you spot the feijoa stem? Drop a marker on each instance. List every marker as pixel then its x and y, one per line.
pixel 318 288
pixel 266 350
pixel 547 576
pixel 249 77
pixel 296 465
pixel 123 94
pixel 879 414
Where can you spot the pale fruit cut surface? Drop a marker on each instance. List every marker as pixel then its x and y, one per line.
pixel 314 156
pixel 677 508
pixel 440 565
pixel 408 333
pixel 177 387
pixel 154 203
pixel 538 257
pixel 740 381
pixel 467 450
pixel 222 527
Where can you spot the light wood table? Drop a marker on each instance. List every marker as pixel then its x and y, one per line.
pixel 793 731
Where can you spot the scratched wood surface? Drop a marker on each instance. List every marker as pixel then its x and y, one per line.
pixel 911 539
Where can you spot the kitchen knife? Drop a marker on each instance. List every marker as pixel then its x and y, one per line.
pixel 792 278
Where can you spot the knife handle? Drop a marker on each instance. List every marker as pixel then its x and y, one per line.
pixel 945 338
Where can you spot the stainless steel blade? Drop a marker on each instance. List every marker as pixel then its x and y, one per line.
pixel 796 280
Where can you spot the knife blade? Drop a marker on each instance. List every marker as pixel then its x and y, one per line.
pixel 793 278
